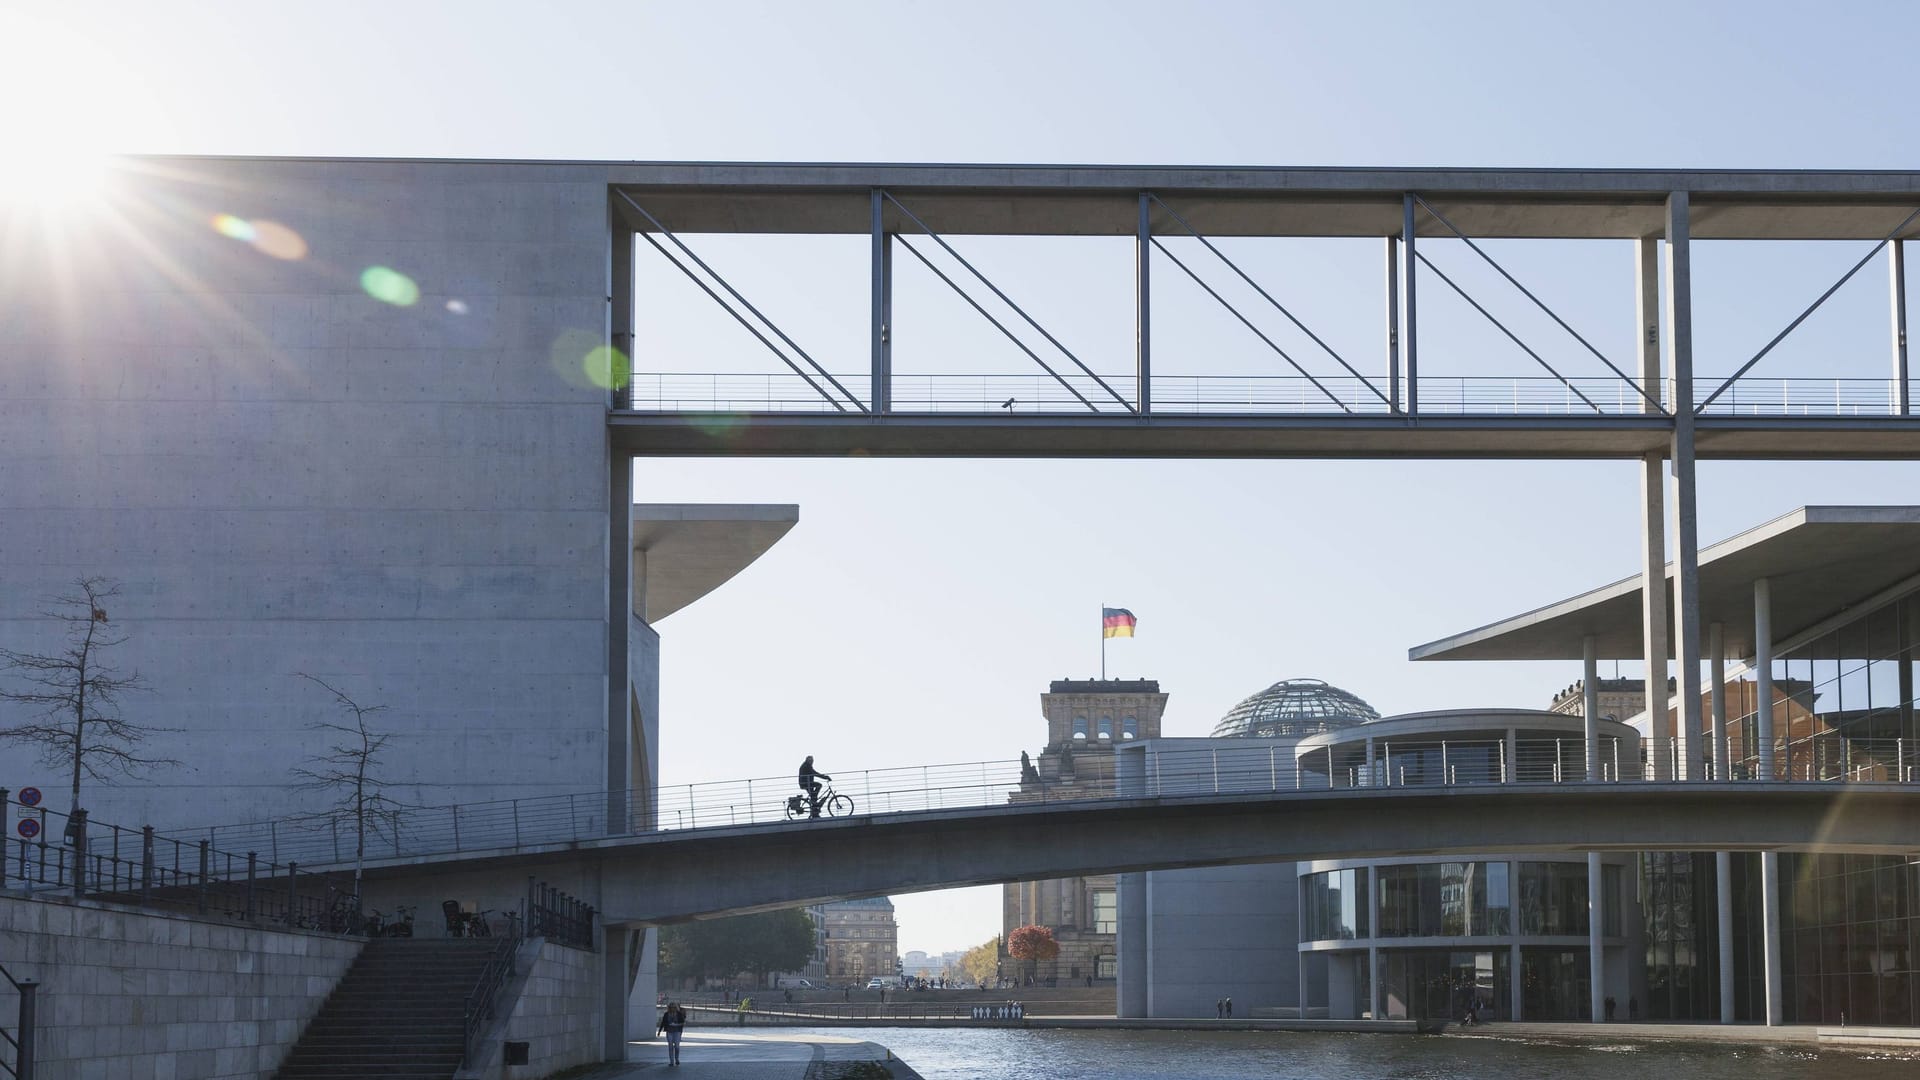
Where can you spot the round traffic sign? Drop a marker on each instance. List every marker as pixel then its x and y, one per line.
pixel 28 828
pixel 29 796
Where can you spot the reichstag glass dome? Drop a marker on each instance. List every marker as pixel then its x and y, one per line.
pixel 1294 707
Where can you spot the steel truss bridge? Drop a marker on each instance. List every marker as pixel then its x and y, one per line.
pixel 1316 401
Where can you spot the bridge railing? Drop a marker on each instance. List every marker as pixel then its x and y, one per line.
pixel 1095 774
pixel 1229 395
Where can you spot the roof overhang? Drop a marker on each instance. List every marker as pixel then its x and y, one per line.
pixel 1819 560
pixel 683 551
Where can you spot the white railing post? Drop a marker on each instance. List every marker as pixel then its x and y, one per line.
pixel 1446 775
pixel 1273 771
pixel 1556 761
pixel 1329 766
pixel 1216 770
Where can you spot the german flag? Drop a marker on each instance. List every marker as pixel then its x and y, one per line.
pixel 1116 622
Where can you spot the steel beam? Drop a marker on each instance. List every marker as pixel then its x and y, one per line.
pixel 1686 525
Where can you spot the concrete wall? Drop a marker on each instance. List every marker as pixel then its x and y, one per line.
pixel 290 475
pixel 144 996
pixel 1221 932
pixel 559 1014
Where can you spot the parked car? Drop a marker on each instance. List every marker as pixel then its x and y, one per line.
pixel 876 983
pixel 791 983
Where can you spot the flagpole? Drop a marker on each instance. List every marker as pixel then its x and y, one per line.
pixel 1103 641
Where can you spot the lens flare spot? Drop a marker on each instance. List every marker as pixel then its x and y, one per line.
pixel 233 228
pixel 277 240
pixel 458 307
pixel 389 286
pixel 607 368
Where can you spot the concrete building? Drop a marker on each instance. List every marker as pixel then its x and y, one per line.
pixel 1086 719
pixel 862 940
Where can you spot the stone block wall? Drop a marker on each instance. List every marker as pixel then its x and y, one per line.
pixel 558 1014
pixel 129 994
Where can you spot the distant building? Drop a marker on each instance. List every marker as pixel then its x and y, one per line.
pixel 862 939
pixel 1086 719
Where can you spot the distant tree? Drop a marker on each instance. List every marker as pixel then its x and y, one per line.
pixel 981 962
pixel 722 948
pixel 350 771
pixel 76 693
pixel 1032 944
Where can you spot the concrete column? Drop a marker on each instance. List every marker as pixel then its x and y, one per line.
pixel 1717 695
pixel 1516 995
pixel 1301 957
pixel 1374 1002
pixel 1653 602
pixel 1904 639
pixel 1409 321
pixel 880 394
pixel 1130 946
pixel 1763 674
pixel 1897 280
pixel 1686 530
pixel 1143 307
pixel 1770 917
pixel 1590 703
pixel 1596 944
pixel 613 998
pixel 619 619
pixel 1393 322
pixel 1646 310
pixel 1723 894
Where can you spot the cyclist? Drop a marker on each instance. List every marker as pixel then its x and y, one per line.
pixel 810 783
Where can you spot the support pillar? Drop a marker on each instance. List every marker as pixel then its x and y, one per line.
pixel 619 623
pixel 881 392
pixel 1590 703
pixel 1302 958
pixel 1717 696
pixel 1897 279
pixel 1143 307
pixel 1770 938
pixel 1409 322
pixel 1393 323
pixel 1653 606
pixel 643 988
pixel 1516 991
pixel 1763 675
pixel 1375 1003
pixel 1130 947
pixel 1723 895
pixel 1596 944
pixel 613 992
pixel 1686 526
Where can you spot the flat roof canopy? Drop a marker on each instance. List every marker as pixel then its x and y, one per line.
pixel 1820 561
pixel 683 551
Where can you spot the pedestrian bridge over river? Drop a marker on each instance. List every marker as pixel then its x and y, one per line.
pixel 703 851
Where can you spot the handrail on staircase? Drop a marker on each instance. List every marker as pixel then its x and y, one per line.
pixel 486 990
pixel 22 1067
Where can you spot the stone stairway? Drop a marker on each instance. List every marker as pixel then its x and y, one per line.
pixel 400 1011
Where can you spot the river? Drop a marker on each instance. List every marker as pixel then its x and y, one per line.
pixel 1041 1054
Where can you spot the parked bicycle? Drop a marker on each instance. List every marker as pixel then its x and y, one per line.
pixel 832 804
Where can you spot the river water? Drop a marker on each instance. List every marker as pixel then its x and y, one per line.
pixel 994 1054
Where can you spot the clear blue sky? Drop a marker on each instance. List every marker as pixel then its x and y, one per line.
pixel 920 608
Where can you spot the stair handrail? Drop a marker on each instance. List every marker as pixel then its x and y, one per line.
pixel 486 990
pixel 22 1067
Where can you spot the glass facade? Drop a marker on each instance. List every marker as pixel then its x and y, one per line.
pixel 1419 984
pixel 1333 905
pixel 1553 984
pixel 1679 891
pixel 1849 939
pixel 1456 899
pixel 1553 899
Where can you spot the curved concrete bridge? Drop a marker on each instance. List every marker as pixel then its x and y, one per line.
pixel 673 876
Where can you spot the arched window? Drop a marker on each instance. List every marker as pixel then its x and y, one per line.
pixel 1129 728
pixel 1080 728
pixel 1106 729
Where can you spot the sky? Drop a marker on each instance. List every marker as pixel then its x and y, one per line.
pixel 920 607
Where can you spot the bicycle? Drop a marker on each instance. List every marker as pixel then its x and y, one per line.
pixel 832 804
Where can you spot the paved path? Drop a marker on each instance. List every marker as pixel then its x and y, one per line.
pixel 746 1055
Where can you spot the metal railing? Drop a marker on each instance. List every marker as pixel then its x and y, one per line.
pixel 1481 759
pixel 21 1040
pixel 558 917
pixel 45 850
pixel 483 1001
pixel 827 1012
pixel 1276 395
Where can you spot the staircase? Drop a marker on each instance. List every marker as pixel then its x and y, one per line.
pixel 400 1011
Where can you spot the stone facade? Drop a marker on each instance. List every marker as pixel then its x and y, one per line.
pixel 1086 719
pixel 558 1014
pixel 862 939
pixel 130 994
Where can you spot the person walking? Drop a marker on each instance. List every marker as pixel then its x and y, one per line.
pixel 1229 1008
pixel 673 1023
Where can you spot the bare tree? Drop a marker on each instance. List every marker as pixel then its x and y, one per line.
pixel 349 770
pixel 77 693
